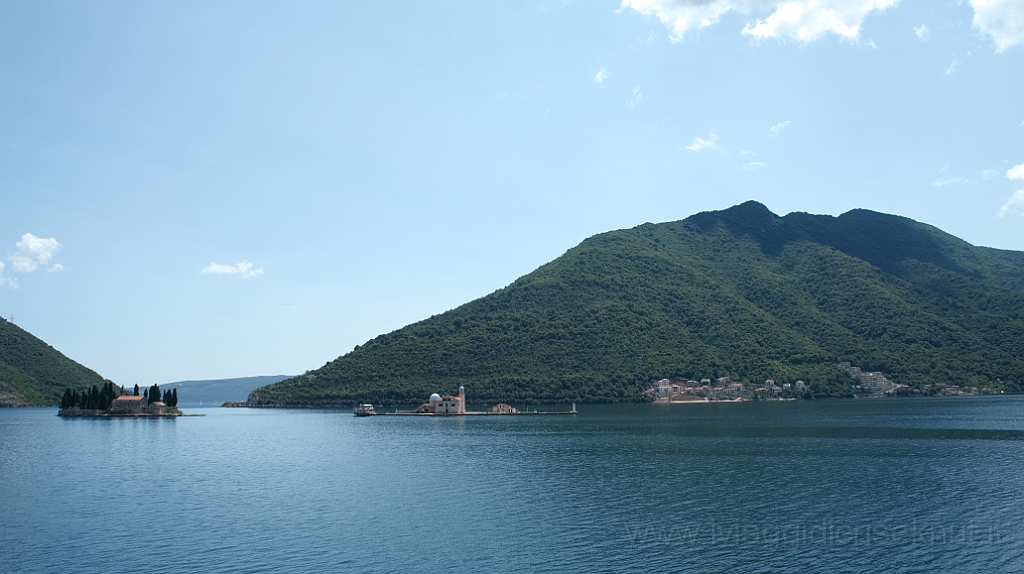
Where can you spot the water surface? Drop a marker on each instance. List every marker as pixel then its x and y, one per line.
pixel 915 485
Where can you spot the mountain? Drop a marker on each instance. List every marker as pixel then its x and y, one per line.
pixel 33 373
pixel 214 392
pixel 741 292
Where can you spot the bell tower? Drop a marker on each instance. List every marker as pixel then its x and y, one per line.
pixel 462 399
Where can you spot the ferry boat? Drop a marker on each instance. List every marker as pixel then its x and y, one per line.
pixel 364 410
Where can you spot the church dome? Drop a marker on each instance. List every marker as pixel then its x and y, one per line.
pixel 435 397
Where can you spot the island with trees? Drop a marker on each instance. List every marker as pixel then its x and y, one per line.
pixel 109 400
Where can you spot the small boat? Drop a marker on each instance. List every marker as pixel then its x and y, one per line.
pixel 364 410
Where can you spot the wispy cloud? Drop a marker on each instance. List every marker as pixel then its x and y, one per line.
pixel 243 269
pixel 636 99
pixel 754 165
pixel 1014 204
pixel 1016 201
pixel 7 281
pixel 702 144
pixel 601 76
pixel 779 127
pixel 950 181
pixel 803 20
pixel 952 66
pixel 922 32
pixel 1003 20
pixel 35 252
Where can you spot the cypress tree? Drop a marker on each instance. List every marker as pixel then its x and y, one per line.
pixel 136 390
pixel 174 397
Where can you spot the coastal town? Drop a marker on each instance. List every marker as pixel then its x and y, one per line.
pixel 867 384
pixel 722 389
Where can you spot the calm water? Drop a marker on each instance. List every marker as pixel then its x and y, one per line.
pixel 918 485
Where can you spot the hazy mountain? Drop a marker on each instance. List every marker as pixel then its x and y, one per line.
pixel 33 373
pixel 741 292
pixel 214 392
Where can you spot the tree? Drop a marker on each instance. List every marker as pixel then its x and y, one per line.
pixel 174 398
pixel 136 390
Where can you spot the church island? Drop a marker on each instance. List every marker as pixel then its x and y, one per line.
pixel 450 405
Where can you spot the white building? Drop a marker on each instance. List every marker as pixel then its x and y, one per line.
pixel 449 405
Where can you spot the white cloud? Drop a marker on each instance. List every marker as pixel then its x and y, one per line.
pixel 779 127
pixel 922 32
pixel 637 98
pixel 754 165
pixel 12 283
pixel 601 76
pixel 1015 203
pixel 952 66
pixel 701 143
pixel 34 252
pixel 803 20
pixel 243 269
pixel 1003 20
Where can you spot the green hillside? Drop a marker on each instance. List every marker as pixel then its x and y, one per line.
pixel 35 374
pixel 740 293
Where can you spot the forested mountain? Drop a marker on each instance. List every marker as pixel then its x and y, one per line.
pixel 35 374
pixel 741 292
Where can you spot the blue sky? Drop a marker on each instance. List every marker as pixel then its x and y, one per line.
pixel 194 190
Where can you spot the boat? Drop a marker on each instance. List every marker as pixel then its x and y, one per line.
pixel 364 410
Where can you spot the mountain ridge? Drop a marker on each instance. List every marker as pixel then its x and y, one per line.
pixel 32 373
pixel 740 292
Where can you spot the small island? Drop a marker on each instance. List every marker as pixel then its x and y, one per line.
pixel 449 405
pixel 111 401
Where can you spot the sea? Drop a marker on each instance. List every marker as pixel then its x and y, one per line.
pixel 886 485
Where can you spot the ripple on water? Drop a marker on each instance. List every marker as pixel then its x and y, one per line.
pixel 854 486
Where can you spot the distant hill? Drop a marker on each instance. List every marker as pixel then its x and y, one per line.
pixel 214 392
pixel 33 373
pixel 741 292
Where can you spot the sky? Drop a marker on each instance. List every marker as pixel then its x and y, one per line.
pixel 215 189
